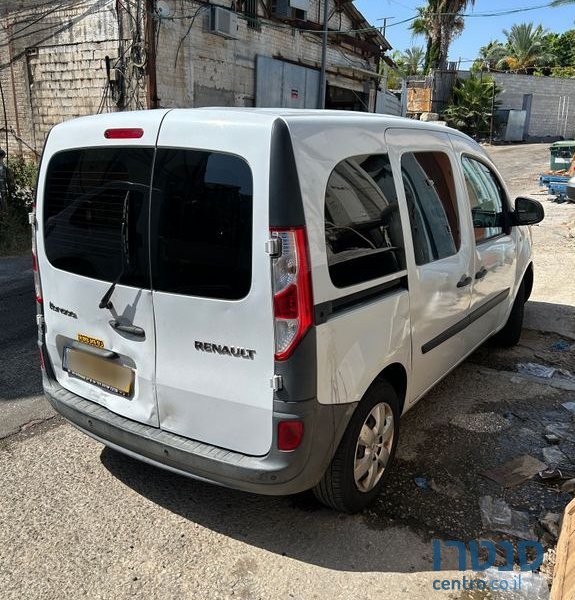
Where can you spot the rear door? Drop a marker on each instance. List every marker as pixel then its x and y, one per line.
pixel 441 262
pixel 211 282
pixel 92 221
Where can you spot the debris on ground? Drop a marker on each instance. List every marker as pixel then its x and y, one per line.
pixel 421 482
pixel 563 430
pixel 555 474
pixel 568 486
pixel 551 522
pixel 516 471
pixel 536 370
pixel 544 372
pixel 553 456
pixel 533 586
pixel 561 346
pixel 551 474
pixel 570 406
pixel 552 438
pixel 497 515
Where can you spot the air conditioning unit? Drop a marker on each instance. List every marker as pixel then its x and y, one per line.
pixel 290 9
pixel 224 22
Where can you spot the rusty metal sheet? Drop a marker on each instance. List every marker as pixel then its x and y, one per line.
pixel 418 100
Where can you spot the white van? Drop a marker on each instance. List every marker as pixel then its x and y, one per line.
pixel 254 297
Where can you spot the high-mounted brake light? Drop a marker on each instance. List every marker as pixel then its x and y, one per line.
pixel 293 301
pixel 124 133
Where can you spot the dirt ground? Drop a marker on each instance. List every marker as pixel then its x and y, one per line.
pixel 80 520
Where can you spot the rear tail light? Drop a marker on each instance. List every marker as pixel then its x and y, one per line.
pixel 290 435
pixel 293 302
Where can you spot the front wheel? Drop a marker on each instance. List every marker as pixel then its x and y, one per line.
pixel 361 463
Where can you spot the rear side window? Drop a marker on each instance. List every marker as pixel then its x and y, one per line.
pixel 432 205
pixel 88 194
pixel 363 233
pixel 201 224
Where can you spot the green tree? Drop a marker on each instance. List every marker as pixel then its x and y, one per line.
pixel 470 110
pixel 489 56
pixel 15 235
pixel 562 46
pixel 526 49
pixel 410 62
pixel 440 21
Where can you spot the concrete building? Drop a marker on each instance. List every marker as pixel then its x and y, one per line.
pixel 61 59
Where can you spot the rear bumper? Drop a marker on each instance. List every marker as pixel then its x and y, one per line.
pixel 276 473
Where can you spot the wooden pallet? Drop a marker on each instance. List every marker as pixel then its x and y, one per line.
pixel 564 575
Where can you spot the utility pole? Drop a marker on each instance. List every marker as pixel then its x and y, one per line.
pixel 385 67
pixel 150 33
pixel 323 74
pixel 492 111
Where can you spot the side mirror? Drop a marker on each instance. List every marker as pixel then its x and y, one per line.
pixel 527 211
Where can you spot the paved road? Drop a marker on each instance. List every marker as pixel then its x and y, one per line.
pixel 21 399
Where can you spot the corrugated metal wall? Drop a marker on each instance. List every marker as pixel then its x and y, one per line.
pixel 388 104
pixel 285 85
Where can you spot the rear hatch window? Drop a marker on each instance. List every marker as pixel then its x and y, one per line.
pixel 88 193
pixel 201 224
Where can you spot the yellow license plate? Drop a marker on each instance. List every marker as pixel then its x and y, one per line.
pixel 91 341
pixel 98 371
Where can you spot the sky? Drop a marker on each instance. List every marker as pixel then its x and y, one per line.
pixel 479 29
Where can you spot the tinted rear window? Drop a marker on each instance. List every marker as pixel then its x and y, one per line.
pixel 201 224
pixel 87 194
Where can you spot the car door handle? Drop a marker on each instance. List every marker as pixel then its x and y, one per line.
pixel 465 280
pixel 131 329
pixel 481 273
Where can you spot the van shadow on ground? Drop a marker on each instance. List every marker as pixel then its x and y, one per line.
pixel 476 419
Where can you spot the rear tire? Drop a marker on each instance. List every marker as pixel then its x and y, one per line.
pixel 360 466
pixel 511 333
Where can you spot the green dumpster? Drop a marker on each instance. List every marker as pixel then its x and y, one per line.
pixel 562 154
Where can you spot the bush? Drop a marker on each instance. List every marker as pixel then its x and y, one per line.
pixel 19 194
pixel 470 110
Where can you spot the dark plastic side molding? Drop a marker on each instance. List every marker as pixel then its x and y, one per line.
pixel 285 201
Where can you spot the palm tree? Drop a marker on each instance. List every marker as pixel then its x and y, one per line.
pixel 527 48
pixel 473 99
pixel 440 21
pixel 556 3
pixel 489 56
pixel 411 61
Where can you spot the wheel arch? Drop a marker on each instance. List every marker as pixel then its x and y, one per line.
pixel 396 375
pixel 528 280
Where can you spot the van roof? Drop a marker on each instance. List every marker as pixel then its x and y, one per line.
pixel 252 115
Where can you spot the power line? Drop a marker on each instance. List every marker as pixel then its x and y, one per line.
pixel 478 15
